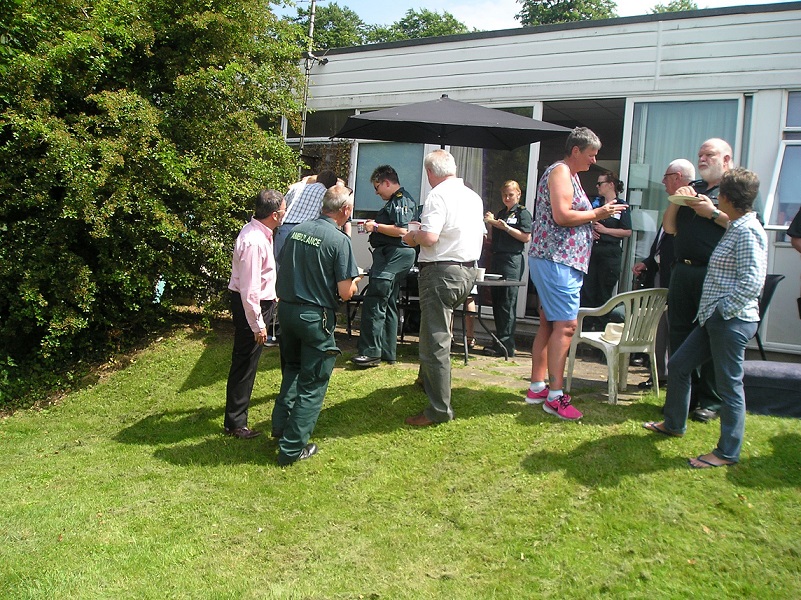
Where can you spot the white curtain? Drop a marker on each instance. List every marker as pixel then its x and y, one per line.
pixel 470 166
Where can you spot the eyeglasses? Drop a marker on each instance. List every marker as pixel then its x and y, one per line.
pixel 376 186
pixel 666 175
pixel 280 212
pixel 600 183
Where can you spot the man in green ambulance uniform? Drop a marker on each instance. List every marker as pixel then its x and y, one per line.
pixel 318 270
pixel 392 260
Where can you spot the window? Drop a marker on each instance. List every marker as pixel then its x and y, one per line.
pixel 321 124
pixel 783 199
pixel 406 159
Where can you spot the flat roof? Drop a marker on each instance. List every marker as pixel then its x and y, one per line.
pixel 670 16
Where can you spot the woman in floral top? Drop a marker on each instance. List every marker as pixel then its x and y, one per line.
pixel 561 242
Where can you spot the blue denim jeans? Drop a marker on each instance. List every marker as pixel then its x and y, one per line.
pixel 723 342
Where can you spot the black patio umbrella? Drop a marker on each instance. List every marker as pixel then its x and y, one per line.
pixel 449 122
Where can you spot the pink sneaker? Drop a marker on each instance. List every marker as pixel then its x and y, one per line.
pixel 537 397
pixel 562 408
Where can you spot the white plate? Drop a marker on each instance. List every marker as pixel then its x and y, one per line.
pixel 492 277
pixel 681 200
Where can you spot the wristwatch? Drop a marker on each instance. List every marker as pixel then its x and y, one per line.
pixel 715 215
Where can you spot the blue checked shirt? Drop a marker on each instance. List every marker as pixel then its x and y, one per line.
pixel 304 204
pixel 736 272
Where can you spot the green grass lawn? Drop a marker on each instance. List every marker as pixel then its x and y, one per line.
pixel 127 489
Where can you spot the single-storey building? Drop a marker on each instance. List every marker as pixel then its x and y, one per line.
pixel 653 88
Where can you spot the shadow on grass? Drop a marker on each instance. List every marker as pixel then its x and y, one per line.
pixel 214 362
pixel 384 410
pixel 171 432
pixel 604 462
pixel 781 469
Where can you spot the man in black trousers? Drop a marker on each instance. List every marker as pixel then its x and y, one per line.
pixel 252 291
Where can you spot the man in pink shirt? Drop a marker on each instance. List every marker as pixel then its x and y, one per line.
pixel 252 288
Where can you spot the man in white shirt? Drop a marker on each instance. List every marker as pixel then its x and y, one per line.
pixel 252 287
pixel 450 239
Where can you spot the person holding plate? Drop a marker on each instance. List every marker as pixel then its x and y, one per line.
pixel 728 316
pixel 510 231
pixel 697 225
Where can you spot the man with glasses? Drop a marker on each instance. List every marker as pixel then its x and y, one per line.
pixel 697 228
pixel 655 268
pixel 392 260
pixel 252 295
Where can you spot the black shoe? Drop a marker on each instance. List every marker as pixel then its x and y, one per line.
pixel 243 433
pixel 492 352
pixel 637 360
pixel 309 451
pixel 704 415
pixel 366 361
pixel 647 384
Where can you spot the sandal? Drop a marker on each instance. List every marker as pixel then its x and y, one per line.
pixel 471 342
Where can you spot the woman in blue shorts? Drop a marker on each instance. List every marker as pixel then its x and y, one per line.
pixel 561 243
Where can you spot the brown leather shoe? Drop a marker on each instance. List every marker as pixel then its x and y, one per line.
pixel 243 433
pixel 419 420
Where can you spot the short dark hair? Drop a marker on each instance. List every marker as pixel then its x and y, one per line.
pixel 385 173
pixel 327 178
pixel 267 202
pixel 740 186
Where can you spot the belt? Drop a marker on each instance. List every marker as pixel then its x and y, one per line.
pixel 691 262
pixel 447 263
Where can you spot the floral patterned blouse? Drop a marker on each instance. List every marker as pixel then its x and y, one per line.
pixel 569 246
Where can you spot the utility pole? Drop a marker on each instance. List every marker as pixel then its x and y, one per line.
pixel 308 62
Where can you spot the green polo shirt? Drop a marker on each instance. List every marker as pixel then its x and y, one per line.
pixel 398 210
pixel 316 256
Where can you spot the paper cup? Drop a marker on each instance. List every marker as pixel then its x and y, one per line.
pixel 481 274
pixel 360 226
pixel 413 226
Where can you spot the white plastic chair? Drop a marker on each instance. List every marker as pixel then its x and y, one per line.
pixel 643 309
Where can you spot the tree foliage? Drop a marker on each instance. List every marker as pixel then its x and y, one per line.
pixel 130 155
pixel 548 12
pixel 418 24
pixel 340 27
pixel 335 26
pixel 674 6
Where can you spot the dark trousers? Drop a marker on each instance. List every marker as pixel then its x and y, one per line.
pixel 602 274
pixel 309 351
pixel 684 296
pixel 244 363
pixel 379 325
pixel 504 300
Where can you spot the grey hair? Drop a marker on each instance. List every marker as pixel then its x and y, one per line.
pixel 583 138
pixel 335 198
pixel 440 163
pixel 684 167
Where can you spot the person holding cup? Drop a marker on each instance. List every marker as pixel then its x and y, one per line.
pixel 392 260
pixel 510 231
